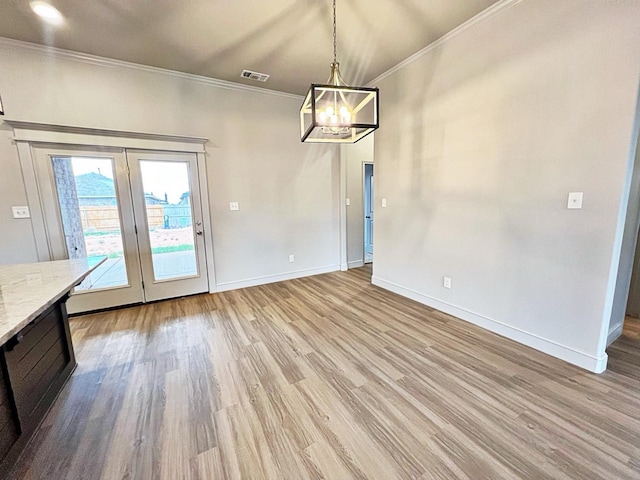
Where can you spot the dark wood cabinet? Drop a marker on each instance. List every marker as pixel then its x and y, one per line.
pixel 8 425
pixel 34 366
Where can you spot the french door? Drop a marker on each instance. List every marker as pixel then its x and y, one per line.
pixel 169 231
pixel 140 209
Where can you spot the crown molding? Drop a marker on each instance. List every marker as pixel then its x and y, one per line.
pixel 110 62
pixel 482 16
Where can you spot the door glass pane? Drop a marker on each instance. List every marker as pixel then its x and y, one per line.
pixel 90 217
pixel 168 206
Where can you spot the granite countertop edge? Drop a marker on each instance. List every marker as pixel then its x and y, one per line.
pixel 10 331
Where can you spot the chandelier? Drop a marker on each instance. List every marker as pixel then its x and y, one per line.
pixel 335 112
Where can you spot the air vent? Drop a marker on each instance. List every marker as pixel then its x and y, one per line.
pixel 260 77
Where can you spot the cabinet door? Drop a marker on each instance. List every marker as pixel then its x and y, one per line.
pixel 37 360
pixel 8 428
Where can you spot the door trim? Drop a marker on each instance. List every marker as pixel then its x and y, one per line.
pixel 98 137
pixel 29 134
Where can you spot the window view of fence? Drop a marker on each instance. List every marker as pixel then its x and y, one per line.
pixel 91 221
pixel 106 218
pixel 170 226
pixel 78 190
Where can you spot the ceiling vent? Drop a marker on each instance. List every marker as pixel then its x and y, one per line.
pixel 260 77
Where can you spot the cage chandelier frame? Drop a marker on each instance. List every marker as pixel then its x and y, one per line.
pixel 335 112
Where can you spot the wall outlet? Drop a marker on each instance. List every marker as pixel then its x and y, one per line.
pixel 291 259
pixel 574 200
pixel 446 282
pixel 21 212
pixel 234 206
pixel 384 203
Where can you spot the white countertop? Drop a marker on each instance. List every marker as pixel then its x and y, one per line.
pixel 28 289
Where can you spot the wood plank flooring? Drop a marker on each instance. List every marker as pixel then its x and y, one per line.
pixel 329 377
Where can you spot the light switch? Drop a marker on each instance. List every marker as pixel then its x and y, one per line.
pixel 575 200
pixel 348 202
pixel 234 206
pixel 384 203
pixel 21 212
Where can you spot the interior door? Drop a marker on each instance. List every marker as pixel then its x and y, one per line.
pixel 86 201
pixel 368 212
pixel 166 201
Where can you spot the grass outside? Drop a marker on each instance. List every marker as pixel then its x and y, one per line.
pixel 109 243
pixel 170 249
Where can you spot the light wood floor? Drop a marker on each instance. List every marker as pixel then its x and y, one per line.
pixel 329 377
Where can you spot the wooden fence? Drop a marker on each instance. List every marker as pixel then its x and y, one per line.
pixel 106 218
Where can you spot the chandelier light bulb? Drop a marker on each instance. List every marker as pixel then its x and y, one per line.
pixel 345 115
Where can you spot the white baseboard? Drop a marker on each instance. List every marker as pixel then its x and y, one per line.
pixel 356 263
pixel 568 354
pixel 280 277
pixel 614 333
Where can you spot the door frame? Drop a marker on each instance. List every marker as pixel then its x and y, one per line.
pixel 28 135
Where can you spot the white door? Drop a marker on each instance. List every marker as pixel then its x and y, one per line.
pixel 95 205
pixel 166 202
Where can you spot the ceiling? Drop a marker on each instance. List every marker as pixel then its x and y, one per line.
pixel 291 40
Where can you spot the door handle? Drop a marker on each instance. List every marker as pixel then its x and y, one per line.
pixel 367 216
pixel 198 232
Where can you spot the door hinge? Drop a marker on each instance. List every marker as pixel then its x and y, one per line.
pixel 135 228
pixel 142 284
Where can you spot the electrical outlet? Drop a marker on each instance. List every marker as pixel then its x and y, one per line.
pixel 21 212
pixel 291 259
pixel 234 206
pixel 446 282
pixel 575 200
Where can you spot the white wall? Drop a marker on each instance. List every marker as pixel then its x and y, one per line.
pixel 482 138
pixel 16 238
pixel 355 154
pixel 288 191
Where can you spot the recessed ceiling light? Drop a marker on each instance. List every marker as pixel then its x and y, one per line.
pixel 47 12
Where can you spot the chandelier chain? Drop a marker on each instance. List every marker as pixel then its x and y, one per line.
pixel 335 41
